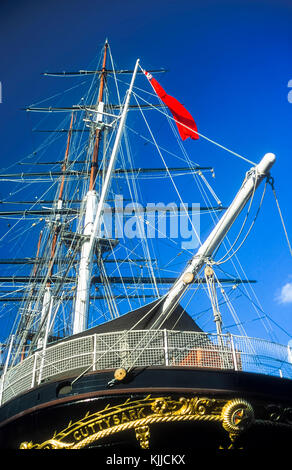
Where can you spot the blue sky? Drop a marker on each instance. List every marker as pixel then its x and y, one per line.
pixel 229 62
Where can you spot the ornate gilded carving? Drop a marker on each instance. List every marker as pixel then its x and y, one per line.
pixel 142 436
pixel 234 415
pixel 237 415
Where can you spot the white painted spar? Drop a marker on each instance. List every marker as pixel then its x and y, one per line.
pixel 252 180
pixel 87 253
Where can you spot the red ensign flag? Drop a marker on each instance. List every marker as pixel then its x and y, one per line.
pixel 181 115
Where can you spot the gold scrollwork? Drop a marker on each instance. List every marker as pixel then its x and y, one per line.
pixel 142 436
pixel 237 415
pixel 138 415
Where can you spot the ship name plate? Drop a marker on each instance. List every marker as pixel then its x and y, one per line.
pixel 139 415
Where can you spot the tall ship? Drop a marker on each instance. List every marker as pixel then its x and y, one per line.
pixel 119 317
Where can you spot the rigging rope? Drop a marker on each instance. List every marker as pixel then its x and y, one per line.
pixel 170 176
pixel 265 314
pixel 234 254
pixel 199 134
pixel 223 260
pixel 271 181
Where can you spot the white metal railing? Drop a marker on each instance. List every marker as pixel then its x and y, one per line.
pixel 145 348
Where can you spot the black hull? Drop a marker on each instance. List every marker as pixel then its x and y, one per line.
pixel 154 408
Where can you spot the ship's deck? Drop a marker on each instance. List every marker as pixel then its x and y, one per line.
pixel 140 348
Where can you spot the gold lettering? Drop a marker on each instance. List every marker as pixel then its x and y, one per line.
pixel 141 413
pixel 84 431
pixel 92 427
pixel 124 417
pixel 116 419
pixel 100 425
pixel 77 436
pixel 107 421
pixel 132 414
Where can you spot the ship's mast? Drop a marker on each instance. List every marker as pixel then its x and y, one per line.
pixel 204 254
pixel 84 275
pixel 94 206
pixel 47 299
pixel 100 106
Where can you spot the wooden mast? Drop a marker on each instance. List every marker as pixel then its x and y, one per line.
pixel 60 198
pixel 94 162
pixel 93 215
pixel 47 298
pixel 86 257
pixel 93 173
pixel 34 271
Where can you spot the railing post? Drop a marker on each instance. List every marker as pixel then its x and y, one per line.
pixel 45 340
pixel 94 352
pixel 5 369
pixel 165 347
pixel 233 352
pixel 34 370
pixel 41 367
pixel 1 388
